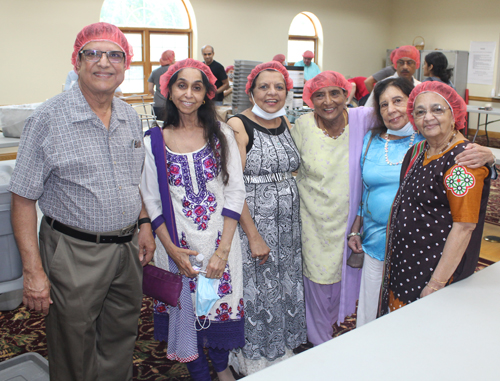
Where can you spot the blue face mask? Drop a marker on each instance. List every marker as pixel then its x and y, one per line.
pixel 206 295
pixel 407 130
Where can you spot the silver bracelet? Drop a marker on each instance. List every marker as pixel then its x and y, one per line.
pixel 353 235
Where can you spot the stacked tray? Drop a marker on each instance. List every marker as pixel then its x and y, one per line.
pixel 242 69
pixel 296 73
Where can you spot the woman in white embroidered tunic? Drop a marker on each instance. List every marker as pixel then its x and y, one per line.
pixel 203 167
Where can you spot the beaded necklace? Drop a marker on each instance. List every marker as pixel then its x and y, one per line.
pixel 325 132
pixel 386 149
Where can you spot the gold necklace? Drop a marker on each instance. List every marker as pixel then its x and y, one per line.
pixel 446 146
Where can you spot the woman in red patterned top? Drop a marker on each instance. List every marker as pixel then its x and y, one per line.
pixel 438 215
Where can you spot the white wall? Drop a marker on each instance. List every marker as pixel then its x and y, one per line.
pixel 39 35
pixel 448 24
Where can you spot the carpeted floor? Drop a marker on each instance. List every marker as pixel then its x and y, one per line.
pixel 22 331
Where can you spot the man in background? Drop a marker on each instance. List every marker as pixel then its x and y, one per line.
pixel 218 71
pixel 310 68
pixel 406 60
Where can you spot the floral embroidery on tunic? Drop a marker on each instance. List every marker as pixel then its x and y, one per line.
pixel 224 312
pixel 459 181
pixel 201 205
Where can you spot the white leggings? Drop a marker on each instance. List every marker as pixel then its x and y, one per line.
pixel 371 280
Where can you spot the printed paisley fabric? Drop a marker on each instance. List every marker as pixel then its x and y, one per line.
pixel 273 292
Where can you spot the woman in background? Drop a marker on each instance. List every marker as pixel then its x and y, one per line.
pixel 436 68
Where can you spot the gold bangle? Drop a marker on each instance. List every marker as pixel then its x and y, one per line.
pixel 218 256
pixel 432 288
pixel 435 280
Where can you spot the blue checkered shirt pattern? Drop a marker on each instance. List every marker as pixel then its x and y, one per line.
pixel 81 173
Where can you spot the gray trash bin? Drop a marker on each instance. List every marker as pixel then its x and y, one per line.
pixel 11 269
pixel 12 118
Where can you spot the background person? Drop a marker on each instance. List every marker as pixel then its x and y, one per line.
pixel 436 68
pixel 218 71
pixel 81 157
pixel 358 91
pixel 206 188
pixel 270 223
pixel 329 142
pixel 444 202
pixel 160 103
pixel 310 68
pixel 228 94
pixel 380 75
pixel 406 60
pixel 280 58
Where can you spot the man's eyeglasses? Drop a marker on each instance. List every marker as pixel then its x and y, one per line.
pixel 114 56
pixel 435 110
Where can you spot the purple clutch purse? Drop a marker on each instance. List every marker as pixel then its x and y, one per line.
pixel 161 285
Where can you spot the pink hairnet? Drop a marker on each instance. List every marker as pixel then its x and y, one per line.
pixel 101 31
pixel 167 57
pixel 188 62
pixel 326 79
pixel 455 101
pixel 405 51
pixel 230 67
pixel 279 58
pixel 272 65
pixel 308 54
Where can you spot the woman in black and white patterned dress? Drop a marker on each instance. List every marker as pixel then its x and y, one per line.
pixel 269 224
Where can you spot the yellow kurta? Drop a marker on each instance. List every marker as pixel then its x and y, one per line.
pixel 323 183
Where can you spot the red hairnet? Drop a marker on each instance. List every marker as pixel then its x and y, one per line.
pixel 167 57
pixel 188 63
pixel 279 58
pixel 308 54
pixel 101 31
pixel 455 101
pixel 272 65
pixel 230 67
pixel 326 79
pixel 407 51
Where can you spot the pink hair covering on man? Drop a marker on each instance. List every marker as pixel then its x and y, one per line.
pixel 188 63
pixel 279 58
pixel 405 51
pixel 457 104
pixel 167 57
pixel 272 65
pixel 230 67
pixel 308 54
pixel 326 79
pixel 101 31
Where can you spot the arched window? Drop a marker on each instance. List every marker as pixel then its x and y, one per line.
pixel 302 36
pixel 151 27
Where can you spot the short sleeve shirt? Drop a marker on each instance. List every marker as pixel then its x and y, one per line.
pixel 219 73
pixel 81 173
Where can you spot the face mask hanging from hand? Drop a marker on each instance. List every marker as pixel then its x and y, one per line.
pixel 206 296
pixel 265 115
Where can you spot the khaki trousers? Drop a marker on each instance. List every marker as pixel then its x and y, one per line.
pixel 96 291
